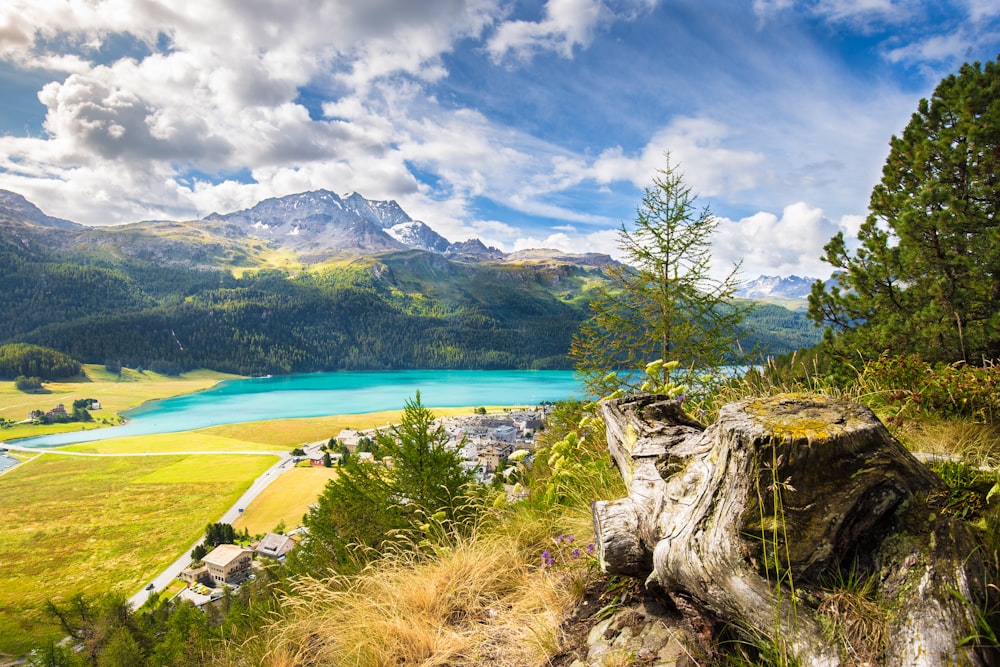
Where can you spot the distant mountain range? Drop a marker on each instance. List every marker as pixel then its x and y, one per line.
pixel 769 287
pixel 311 281
pixel 316 226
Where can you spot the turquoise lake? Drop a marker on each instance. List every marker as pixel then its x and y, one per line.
pixel 321 394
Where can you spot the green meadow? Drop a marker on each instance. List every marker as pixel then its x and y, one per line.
pixel 88 524
pixel 74 524
pixel 116 393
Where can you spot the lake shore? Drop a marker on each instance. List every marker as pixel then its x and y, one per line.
pixel 315 396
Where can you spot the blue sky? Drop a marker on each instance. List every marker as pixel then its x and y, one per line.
pixel 524 123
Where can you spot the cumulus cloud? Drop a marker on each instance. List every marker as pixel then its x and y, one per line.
pixel 604 241
pixel 767 244
pixel 697 147
pixel 211 88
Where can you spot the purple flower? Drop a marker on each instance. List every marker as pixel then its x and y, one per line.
pixel 576 553
pixel 590 548
pixel 550 561
pixel 546 555
pixel 569 539
pixel 559 538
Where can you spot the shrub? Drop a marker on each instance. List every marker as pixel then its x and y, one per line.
pixel 904 385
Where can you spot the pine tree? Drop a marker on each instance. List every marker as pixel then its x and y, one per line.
pixel 369 503
pixel 926 276
pixel 663 302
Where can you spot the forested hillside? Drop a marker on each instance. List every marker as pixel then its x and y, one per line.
pixel 204 294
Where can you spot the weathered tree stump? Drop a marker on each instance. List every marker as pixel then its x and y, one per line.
pixel 745 517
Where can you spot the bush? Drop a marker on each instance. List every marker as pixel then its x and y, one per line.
pixel 29 385
pixel 904 385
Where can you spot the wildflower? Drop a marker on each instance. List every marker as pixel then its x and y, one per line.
pixel 569 539
pixel 576 553
pixel 590 548
pixel 546 555
pixel 559 538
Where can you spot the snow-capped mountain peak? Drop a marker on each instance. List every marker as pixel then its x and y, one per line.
pixel 792 287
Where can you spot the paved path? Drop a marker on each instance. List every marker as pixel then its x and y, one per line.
pixel 162 580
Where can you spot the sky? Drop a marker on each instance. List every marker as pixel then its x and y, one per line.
pixel 524 123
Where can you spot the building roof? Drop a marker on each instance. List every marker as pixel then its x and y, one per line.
pixel 275 545
pixel 224 554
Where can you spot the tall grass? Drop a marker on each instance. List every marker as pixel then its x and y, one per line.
pixel 487 594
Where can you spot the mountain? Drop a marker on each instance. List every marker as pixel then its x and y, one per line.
pixel 769 287
pixel 320 224
pixel 308 282
pixel 15 207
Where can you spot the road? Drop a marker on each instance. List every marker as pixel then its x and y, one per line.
pixel 162 580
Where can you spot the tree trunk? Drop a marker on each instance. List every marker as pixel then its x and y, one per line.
pixel 745 517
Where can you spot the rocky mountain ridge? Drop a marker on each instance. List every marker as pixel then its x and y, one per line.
pixel 762 287
pixel 316 226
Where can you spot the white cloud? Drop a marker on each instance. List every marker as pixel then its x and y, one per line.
pixel 604 241
pixel 696 148
pixel 566 25
pixel 222 97
pixel 770 245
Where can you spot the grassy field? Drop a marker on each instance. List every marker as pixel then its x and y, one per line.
pixel 82 524
pixel 185 441
pixel 286 500
pixel 116 394
pixel 294 432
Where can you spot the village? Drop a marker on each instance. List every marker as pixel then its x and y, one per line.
pixel 485 442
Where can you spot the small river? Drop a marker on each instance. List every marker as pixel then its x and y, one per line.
pixel 322 394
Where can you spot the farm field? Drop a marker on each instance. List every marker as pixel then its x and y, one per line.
pixel 184 441
pixel 75 524
pixel 286 500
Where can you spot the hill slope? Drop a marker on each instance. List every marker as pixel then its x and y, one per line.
pixel 304 283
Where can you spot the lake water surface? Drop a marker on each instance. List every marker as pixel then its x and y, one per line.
pixel 321 394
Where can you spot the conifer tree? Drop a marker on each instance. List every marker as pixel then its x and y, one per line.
pixel 368 503
pixel 926 275
pixel 663 302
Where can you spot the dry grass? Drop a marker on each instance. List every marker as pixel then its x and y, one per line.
pixel 483 600
pixel 286 500
pixel 976 444
pixel 294 432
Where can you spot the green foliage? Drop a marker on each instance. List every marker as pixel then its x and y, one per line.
pixel 219 533
pixel 20 359
pixel 662 304
pixel 571 460
pixel 399 313
pixel 369 504
pixel 199 552
pixel 924 278
pixel 906 386
pixel 28 385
